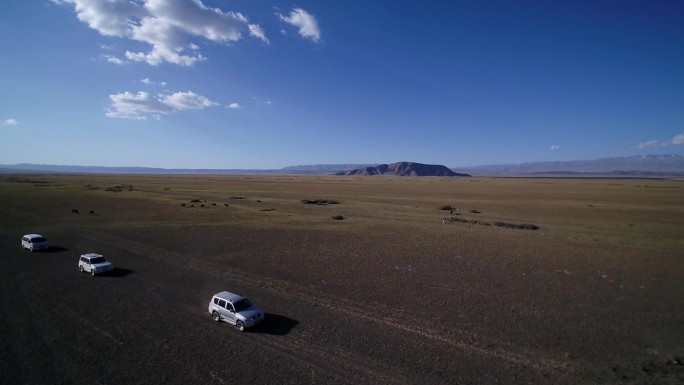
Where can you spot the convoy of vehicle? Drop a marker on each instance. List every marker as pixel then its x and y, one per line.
pixel 224 306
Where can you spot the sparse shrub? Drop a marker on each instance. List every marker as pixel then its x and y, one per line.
pixel 476 211
pixel 238 197
pixel 196 200
pixel 319 202
pixel 446 207
pixel 338 217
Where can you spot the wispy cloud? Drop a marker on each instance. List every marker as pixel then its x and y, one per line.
pixel 114 60
pixel 10 122
pixel 166 26
pixel 554 148
pixel 258 32
pixel 234 106
pixel 677 140
pixel 151 83
pixel 128 105
pixel 258 101
pixel 306 22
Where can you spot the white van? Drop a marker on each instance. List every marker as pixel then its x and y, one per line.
pixel 34 242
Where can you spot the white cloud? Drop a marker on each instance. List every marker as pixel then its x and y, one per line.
pixel 651 143
pixel 187 101
pixel 258 32
pixel 554 148
pixel 166 25
pixel 138 106
pixel 10 122
pixel 677 140
pixel 114 59
pixel 306 22
pixel 234 106
pixel 151 83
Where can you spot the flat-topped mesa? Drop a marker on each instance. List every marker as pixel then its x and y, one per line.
pixel 403 169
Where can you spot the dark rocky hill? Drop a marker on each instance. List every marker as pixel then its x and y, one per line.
pixel 403 169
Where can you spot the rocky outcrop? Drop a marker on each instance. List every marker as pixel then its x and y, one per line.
pixel 403 169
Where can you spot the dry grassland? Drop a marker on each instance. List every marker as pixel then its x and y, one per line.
pixel 388 294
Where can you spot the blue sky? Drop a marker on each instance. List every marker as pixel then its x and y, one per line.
pixel 252 84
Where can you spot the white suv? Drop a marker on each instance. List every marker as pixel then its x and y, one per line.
pixel 94 264
pixel 235 310
pixel 34 242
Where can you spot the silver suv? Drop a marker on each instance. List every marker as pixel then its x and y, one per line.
pixel 234 309
pixel 94 264
pixel 34 242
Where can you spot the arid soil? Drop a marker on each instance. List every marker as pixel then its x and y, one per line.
pixel 389 294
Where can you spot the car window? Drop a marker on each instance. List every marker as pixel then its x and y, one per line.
pixel 25 239
pixel 229 306
pixel 39 239
pixel 84 260
pixel 215 301
pixel 242 304
pixel 222 303
pixel 98 260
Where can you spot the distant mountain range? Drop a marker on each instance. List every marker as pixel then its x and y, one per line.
pixel 403 169
pixel 671 164
pixel 647 165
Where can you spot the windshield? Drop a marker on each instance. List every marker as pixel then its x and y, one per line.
pixel 38 239
pixel 242 305
pixel 97 260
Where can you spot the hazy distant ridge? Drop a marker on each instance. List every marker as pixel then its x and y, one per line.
pixel 666 164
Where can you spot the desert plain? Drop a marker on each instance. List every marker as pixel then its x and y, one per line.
pixel 370 286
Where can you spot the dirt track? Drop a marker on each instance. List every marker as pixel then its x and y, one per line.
pixel 490 322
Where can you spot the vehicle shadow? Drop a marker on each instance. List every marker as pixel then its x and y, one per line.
pixel 275 324
pixel 118 272
pixel 55 249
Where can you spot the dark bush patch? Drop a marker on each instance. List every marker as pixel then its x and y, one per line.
pixel 338 217
pixel 522 226
pixel 196 200
pixel 183 204
pixel 120 188
pixel 319 202
pixel 267 209
pixel 476 211
pixel 446 207
pixel 236 197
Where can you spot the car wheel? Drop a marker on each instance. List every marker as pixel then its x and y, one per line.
pixel 81 268
pixel 215 316
pixel 240 325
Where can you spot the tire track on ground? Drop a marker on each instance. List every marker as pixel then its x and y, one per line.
pixel 463 340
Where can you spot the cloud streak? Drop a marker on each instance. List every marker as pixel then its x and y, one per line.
pixel 10 122
pixel 306 22
pixel 139 106
pixel 677 140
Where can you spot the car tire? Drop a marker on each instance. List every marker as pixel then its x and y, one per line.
pixel 80 268
pixel 215 316
pixel 240 326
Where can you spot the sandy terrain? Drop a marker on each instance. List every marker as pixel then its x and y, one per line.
pixel 390 294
